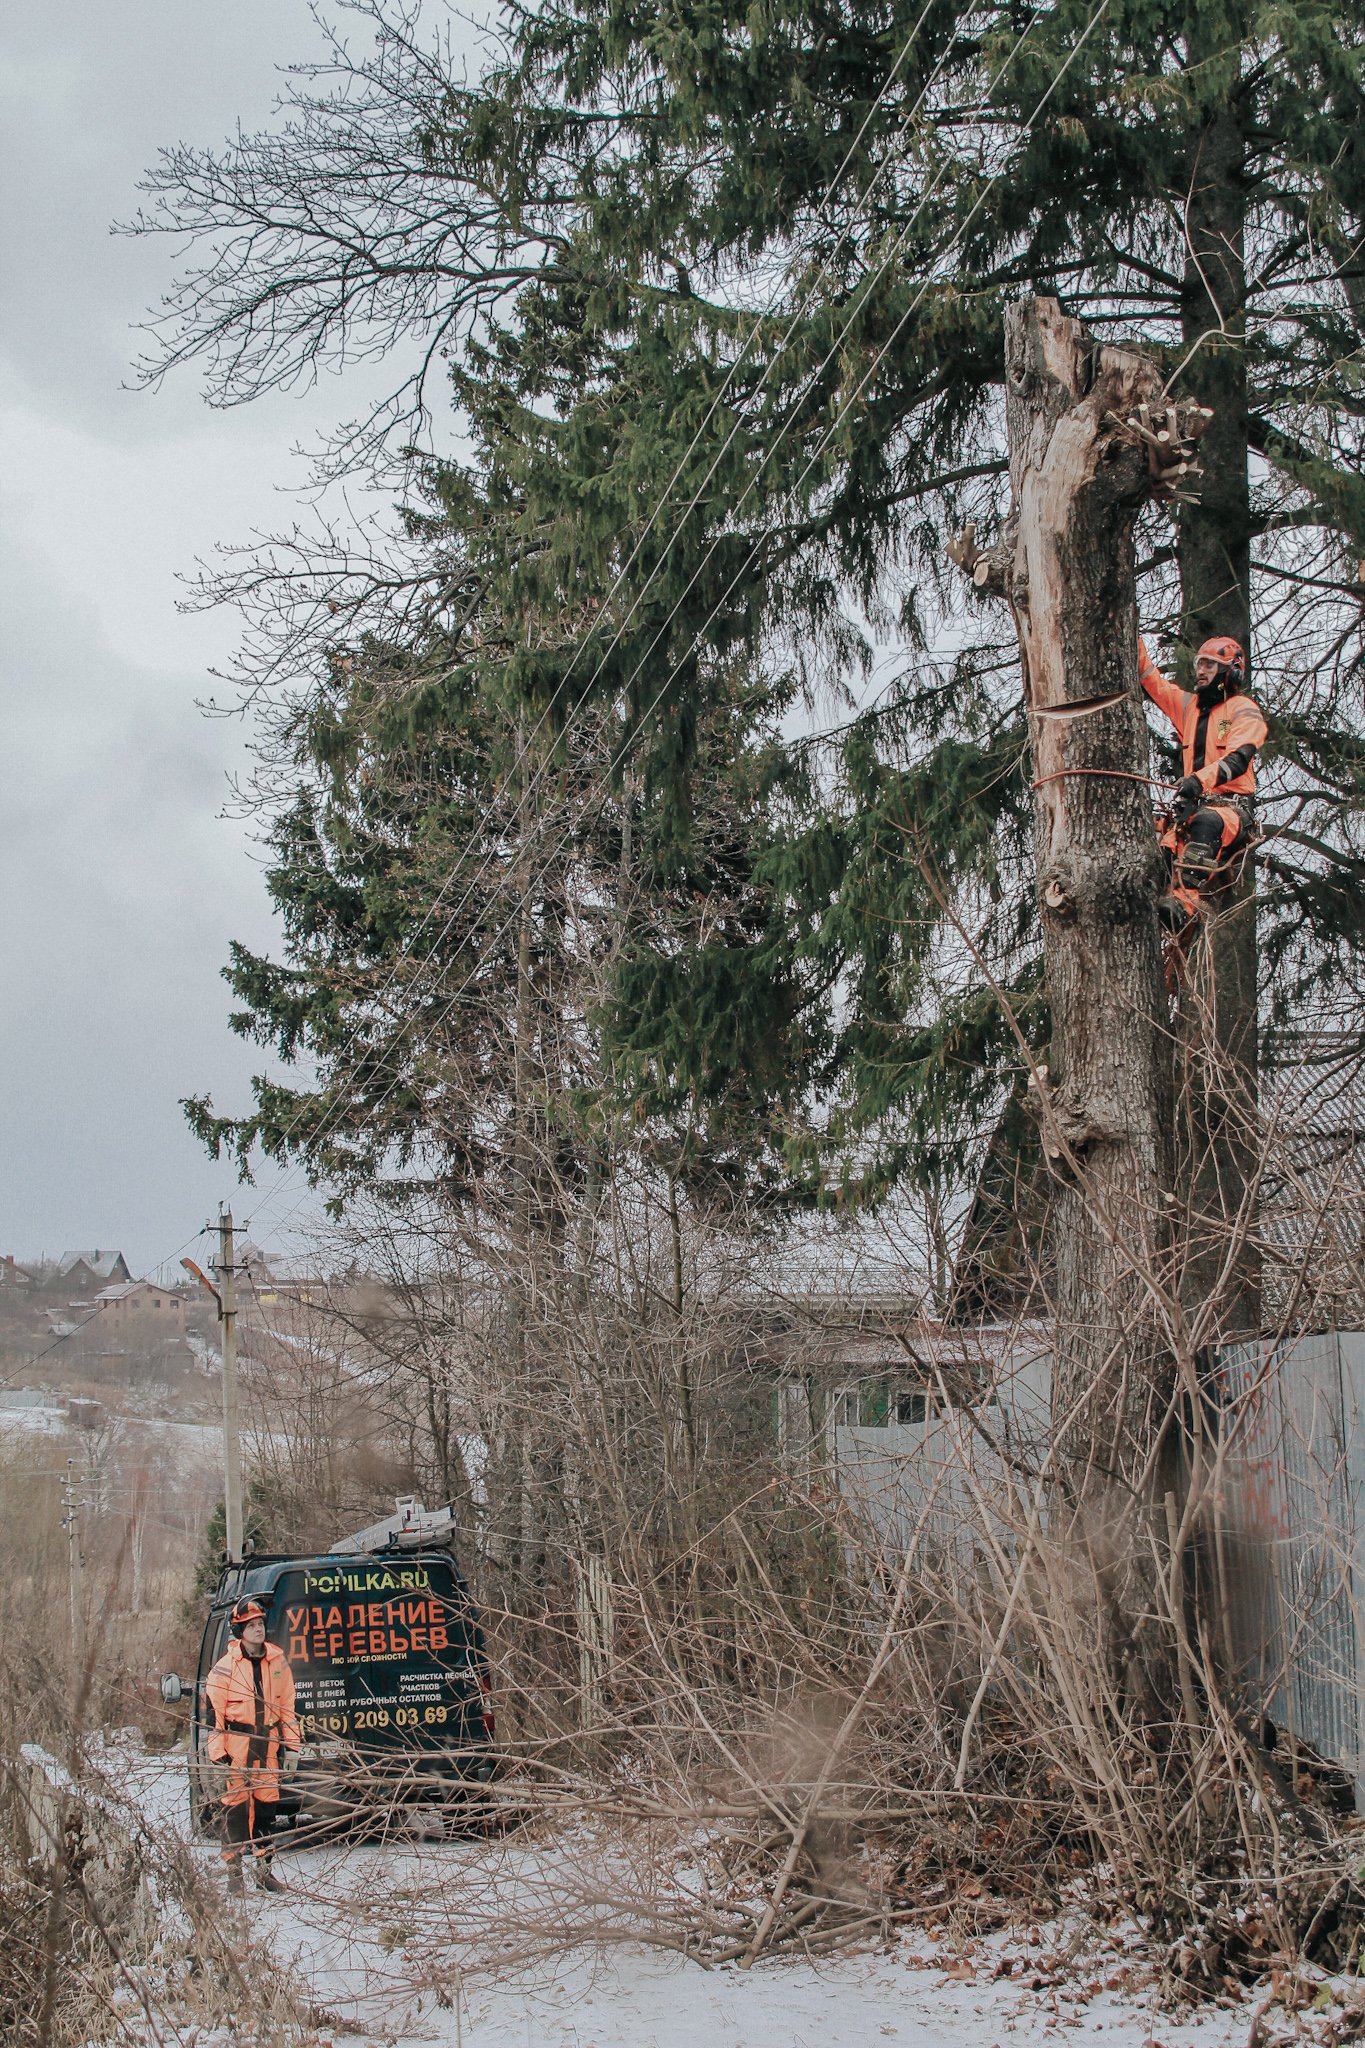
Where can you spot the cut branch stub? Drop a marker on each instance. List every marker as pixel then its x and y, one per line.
pixel 1170 435
pixel 987 567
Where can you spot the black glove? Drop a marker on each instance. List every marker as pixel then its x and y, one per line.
pixel 1188 797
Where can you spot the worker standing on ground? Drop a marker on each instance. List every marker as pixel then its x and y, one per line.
pixel 253 1738
pixel 1220 733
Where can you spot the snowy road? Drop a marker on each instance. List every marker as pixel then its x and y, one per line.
pixel 458 1945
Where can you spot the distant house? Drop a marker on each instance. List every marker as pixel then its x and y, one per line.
pixel 139 1302
pixel 310 1288
pixel 87 1272
pixel 12 1273
pixel 270 1282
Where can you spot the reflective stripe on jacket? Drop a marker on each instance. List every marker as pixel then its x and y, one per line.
pixel 1206 737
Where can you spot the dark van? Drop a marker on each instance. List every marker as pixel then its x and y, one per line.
pixel 390 1679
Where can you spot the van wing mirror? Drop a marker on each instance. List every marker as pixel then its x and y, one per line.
pixel 173 1689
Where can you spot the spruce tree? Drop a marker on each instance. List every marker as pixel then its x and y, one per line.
pixel 723 293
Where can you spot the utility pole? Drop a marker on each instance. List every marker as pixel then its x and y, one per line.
pixel 232 1449
pixel 76 1568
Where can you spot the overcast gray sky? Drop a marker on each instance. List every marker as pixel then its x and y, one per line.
pixel 121 883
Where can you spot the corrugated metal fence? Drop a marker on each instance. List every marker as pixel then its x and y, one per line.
pixel 1293 1513
pixel 928 1485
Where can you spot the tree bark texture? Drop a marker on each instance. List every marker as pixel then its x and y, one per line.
pixel 1214 550
pixel 1077 482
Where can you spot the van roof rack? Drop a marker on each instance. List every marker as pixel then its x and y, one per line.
pixel 409 1527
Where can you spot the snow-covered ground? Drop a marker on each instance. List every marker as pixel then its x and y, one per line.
pixel 470 1944
pixel 33 1421
pixel 194 1439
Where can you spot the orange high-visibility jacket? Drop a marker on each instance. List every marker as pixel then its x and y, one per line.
pixel 1206 737
pixel 237 1712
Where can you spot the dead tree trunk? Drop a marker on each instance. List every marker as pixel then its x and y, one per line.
pixel 1077 482
pixel 1084 454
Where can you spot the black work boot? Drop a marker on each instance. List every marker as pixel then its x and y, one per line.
pixel 264 1877
pixel 236 1889
pixel 1195 865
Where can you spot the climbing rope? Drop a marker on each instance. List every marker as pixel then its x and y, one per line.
pixel 1113 775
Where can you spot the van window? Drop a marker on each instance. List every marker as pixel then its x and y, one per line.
pixel 379 1651
pixel 214 1643
pixel 211 1648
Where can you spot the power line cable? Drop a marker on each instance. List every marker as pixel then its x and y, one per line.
pixel 888 258
pixel 975 209
pixel 873 366
pixel 626 566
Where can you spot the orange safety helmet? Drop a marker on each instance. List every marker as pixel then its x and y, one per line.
pixel 1231 659
pixel 246 1610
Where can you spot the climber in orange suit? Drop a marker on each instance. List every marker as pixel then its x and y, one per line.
pixel 1221 731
